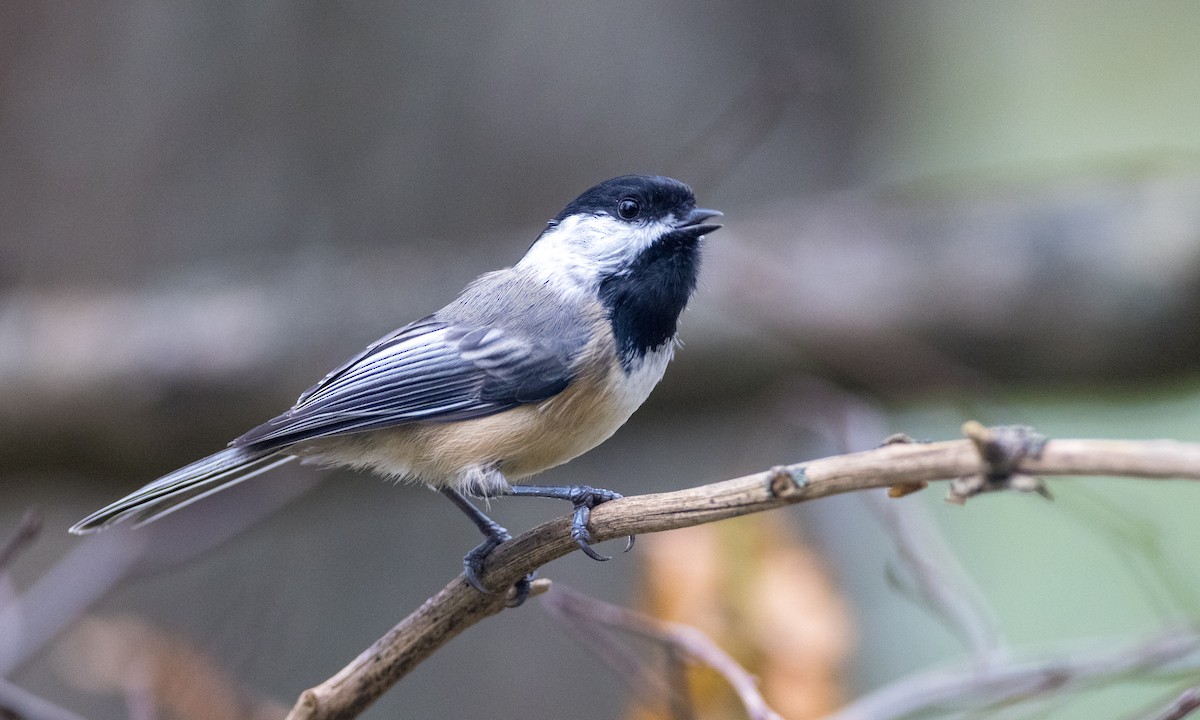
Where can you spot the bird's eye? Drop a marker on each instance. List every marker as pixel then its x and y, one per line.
pixel 628 208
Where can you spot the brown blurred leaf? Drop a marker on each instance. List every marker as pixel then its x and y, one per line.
pixel 763 597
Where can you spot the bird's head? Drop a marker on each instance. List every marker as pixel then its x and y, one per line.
pixel 610 227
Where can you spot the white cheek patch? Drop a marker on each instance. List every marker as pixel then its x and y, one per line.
pixel 583 248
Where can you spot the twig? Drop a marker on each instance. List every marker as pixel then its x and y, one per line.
pixel 1184 705
pixel 27 530
pixel 27 706
pixel 680 700
pixel 457 606
pixel 1001 682
pixel 748 118
pixel 682 642
pixel 1135 540
pixel 91 568
pixel 936 575
pixel 619 658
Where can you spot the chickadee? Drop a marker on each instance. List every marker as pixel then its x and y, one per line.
pixel 528 368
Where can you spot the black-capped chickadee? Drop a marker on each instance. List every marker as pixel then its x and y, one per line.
pixel 528 368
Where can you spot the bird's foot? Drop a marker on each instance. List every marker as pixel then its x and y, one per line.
pixel 473 565
pixel 582 498
pixel 473 561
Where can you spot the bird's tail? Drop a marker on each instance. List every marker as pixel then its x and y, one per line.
pixel 183 487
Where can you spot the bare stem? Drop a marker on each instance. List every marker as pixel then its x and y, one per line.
pixel 1184 705
pixel 27 530
pixel 682 641
pixel 1004 680
pixel 457 606
pixel 935 575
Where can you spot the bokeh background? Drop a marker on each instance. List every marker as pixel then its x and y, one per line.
pixel 935 211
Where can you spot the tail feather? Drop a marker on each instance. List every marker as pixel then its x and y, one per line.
pixel 183 487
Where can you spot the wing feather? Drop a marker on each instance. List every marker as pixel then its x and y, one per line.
pixel 432 370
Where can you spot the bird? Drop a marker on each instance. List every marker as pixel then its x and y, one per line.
pixel 529 367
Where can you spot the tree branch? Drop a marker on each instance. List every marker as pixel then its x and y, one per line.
pixel 1003 680
pixel 680 640
pixel 935 576
pixel 27 530
pixel 24 705
pixel 457 606
pixel 1184 705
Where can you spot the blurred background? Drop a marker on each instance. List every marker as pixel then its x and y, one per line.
pixel 935 211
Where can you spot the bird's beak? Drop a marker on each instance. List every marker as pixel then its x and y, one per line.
pixel 694 222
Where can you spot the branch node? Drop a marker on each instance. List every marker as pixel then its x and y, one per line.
pixel 899 490
pixel 539 586
pixel 307 706
pixel 784 481
pixel 1002 449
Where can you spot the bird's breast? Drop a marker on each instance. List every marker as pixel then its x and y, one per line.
pixel 531 438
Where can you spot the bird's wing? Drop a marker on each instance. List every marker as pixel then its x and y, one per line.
pixel 433 370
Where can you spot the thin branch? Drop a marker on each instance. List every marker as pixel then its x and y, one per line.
pixel 27 530
pixel 682 642
pixel 619 658
pixel 1000 682
pixel 457 606
pixel 1184 705
pixel 62 594
pixel 27 706
pixel 936 576
pixel 681 700
pixel 1133 538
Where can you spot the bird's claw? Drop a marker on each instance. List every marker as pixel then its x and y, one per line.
pixel 473 561
pixel 584 498
pixel 473 566
pixel 520 591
